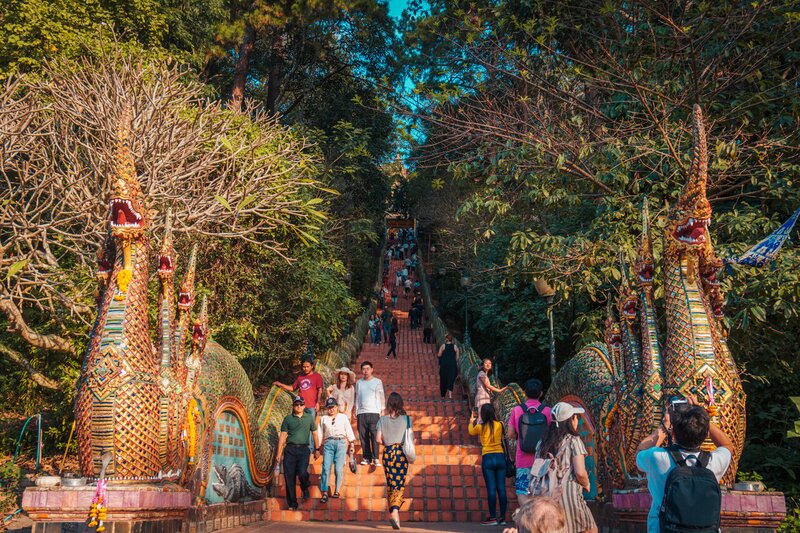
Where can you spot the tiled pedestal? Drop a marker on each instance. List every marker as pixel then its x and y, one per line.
pixel 742 512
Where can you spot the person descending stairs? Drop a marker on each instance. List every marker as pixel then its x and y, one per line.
pixel 445 484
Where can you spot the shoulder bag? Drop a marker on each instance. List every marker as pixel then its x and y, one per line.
pixel 511 470
pixel 408 442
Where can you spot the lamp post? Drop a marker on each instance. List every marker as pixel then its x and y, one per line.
pixel 547 292
pixel 466 281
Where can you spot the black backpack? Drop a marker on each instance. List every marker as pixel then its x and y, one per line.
pixel 533 428
pixel 692 497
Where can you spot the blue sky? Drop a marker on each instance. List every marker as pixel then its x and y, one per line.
pixel 396 7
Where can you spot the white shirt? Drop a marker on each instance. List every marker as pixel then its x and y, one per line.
pixel 369 396
pixel 657 463
pixel 337 426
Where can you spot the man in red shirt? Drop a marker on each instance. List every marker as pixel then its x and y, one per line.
pixel 308 385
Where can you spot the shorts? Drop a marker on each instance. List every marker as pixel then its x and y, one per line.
pixel 522 480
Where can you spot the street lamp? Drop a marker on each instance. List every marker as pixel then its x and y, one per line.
pixel 547 292
pixel 466 281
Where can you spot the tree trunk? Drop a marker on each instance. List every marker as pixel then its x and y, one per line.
pixel 242 67
pixel 275 74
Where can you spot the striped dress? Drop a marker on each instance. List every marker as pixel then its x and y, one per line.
pixel 579 517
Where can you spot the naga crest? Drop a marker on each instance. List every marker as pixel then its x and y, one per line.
pixel 166 256
pixel 644 268
pixel 690 216
pixel 127 216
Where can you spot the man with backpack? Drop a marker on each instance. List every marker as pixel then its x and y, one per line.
pixel 682 479
pixel 528 424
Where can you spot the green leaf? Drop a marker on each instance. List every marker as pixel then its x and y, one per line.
pixel 223 202
pixel 247 200
pixel 15 268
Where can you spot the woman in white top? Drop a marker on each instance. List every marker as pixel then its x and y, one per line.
pixel 344 391
pixel 337 438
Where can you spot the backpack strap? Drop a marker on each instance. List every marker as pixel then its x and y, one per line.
pixel 676 455
pixel 703 459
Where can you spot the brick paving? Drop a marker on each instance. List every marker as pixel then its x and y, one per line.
pixel 445 484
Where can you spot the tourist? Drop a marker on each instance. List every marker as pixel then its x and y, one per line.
pixel 344 391
pixel 540 515
pixel 448 366
pixel 524 460
pixel 689 425
pixel 394 297
pixel 369 402
pixel 371 326
pixel 336 436
pixel 386 321
pixel 297 429
pixel 308 385
pixel 391 430
pixel 427 331
pixel 407 287
pixel 563 443
pixel 484 387
pixel 493 461
pixel 392 339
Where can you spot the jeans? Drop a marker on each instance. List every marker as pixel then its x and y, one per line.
pixel 494 474
pixel 334 452
pixel 295 465
pixel 367 433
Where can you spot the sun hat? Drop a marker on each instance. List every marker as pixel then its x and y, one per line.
pixel 298 399
pixel 331 402
pixel 352 374
pixel 563 411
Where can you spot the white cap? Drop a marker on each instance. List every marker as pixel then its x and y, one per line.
pixel 563 411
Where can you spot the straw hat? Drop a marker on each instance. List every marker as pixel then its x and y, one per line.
pixel 352 375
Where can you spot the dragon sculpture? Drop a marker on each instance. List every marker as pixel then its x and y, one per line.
pixel 173 407
pixel 624 381
pixel 158 406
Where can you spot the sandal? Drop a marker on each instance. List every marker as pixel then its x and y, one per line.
pixel 324 498
pixel 335 495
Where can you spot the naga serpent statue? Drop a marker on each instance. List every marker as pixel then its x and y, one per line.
pixel 623 382
pixel 166 410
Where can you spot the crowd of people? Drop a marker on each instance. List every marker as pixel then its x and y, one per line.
pixel 548 461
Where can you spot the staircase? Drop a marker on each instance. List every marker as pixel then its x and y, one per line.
pixel 445 484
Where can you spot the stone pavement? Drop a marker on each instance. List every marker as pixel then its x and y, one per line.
pixel 444 485
pixel 341 527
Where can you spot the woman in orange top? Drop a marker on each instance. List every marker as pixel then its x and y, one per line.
pixel 493 462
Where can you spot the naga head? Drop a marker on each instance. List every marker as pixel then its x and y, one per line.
pixel 628 299
pixel 709 266
pixel 613 331
pixel 127 215
pixel 166 256
pixel 689 218
pixel 200 330
pixel 186 290
pixel 644 268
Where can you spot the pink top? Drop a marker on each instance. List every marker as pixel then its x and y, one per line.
pixel 525 460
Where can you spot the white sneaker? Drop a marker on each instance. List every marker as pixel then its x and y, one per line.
pixel 364 462
pixel 376 462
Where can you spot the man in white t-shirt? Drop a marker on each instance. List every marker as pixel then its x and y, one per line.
pixel 370 402
pixel 689 425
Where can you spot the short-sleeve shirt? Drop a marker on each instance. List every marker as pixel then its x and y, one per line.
pixel 525 460
pixel 392 429
pixel 299 428
pixel 308 386
pixel 482 395
pixel 344 399
pixel 657 463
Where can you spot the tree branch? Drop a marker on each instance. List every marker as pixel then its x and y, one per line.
pixel 37 377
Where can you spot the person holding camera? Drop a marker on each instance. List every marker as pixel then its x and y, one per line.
pixel 691 475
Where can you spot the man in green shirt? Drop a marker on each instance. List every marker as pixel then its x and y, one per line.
pixel 296 430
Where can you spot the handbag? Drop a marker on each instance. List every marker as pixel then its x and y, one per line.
pixel 408 442
pixel 511 470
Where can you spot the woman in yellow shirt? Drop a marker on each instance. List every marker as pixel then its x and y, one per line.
pixel 493 462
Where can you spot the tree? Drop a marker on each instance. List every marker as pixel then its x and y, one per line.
pixel 223 174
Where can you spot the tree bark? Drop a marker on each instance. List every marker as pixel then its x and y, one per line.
pixel 275 76
pixel 37 377
pixel 242 67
